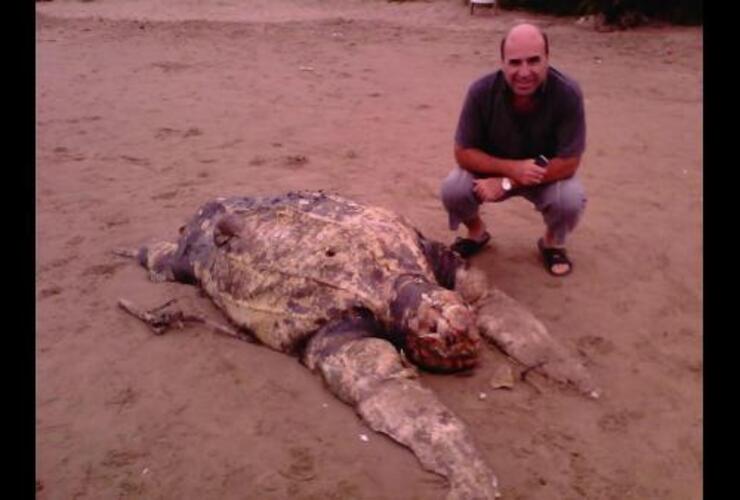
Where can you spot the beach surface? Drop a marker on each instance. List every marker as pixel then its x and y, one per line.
pixel 145 109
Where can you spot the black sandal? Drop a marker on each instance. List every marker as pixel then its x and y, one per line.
pixel 554 256
pixel 466 247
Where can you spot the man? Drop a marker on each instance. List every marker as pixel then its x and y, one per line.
pixel 523 111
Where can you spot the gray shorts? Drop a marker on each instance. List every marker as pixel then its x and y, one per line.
pixel 561 203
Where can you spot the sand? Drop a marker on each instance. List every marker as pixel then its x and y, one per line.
pixel 146 109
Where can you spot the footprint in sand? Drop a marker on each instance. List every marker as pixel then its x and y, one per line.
pixel 124 398
pixel 301 467
pixel 619 422
pixel 103 269
pixel 62 261
pixel 295 160
pixel 122 458
pixel 115 220
pixel 74 241
pixel 623 306
pixel 595 344
pixel 167 133
pixel 142 162
pixel 257 161
pixel 50 291
pixel 171 66
pixel 166 195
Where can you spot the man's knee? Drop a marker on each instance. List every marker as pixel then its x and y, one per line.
pixel 458 197
pixel 457 188
pixel 569 199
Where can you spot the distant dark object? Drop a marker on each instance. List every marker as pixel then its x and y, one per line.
pixel 491 4
pixel 618 13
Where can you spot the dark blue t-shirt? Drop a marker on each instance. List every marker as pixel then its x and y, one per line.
pixel 555 128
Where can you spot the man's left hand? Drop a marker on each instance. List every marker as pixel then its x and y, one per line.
pixel 488 189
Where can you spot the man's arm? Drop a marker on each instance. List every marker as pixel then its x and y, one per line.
pixel 561 168
pixel 521 172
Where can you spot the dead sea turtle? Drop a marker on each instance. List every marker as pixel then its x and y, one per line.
pixel 353 290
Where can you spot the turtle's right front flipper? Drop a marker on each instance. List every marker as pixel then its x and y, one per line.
pixel 369 374
pixel 513 329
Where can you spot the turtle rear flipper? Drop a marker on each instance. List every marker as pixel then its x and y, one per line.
pixel 153 257
pixel 128 253
pixel 162 261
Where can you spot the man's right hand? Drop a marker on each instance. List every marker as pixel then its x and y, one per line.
pixel 528 173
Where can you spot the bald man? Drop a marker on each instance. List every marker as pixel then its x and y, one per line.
pixel 521 132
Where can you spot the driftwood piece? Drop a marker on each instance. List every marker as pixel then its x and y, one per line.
pixel 160 320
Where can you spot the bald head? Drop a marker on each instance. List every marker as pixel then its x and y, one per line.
pixel 524 34
pixel 524 57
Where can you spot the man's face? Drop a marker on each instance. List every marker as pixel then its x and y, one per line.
pixel 525 62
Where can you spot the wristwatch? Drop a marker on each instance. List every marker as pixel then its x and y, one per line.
pixel 506 184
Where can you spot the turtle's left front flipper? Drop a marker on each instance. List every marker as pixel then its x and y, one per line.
pixel 513 329
pixel 369 374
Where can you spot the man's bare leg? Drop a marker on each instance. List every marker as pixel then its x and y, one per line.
pixel 549 242
pixel 476 228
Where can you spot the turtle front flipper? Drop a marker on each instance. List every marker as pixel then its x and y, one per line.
pixel 452 271
pixel 513 329
pixel 444 262
pixel 369 374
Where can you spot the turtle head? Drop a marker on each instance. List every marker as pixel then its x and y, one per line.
pixel 440 332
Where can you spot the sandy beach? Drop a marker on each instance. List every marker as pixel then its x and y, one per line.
pixel 147 109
